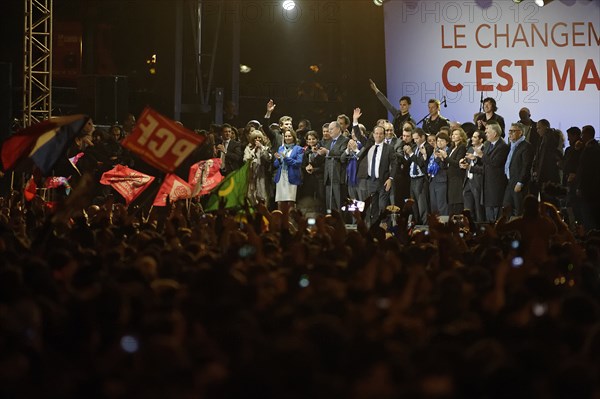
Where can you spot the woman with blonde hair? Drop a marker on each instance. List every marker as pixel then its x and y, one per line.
pixel 258 154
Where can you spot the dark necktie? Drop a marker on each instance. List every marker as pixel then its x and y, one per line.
pixel 332 143
pixel 415 171
pixel 373 162
pixel 490 148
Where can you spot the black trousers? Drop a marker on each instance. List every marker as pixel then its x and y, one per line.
pixel 419 192
pixel 380 198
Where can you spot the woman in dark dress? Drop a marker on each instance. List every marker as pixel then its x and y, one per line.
pixel 311 195
pixel 456 175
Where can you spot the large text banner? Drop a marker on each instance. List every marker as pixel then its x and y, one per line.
pixel 544 58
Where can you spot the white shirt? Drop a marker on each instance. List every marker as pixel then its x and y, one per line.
pixel 413 165
pixel 377 159
pixel 472 162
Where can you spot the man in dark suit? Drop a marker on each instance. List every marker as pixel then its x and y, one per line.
pixel 231 151
pixel 473 186
pixel 517 169
pixel 334 172
pixel 494 179
pixel 588 179
pixel 402 178
pixel 381 166
pixel 418 155
pixel 390 137
pixel 547 157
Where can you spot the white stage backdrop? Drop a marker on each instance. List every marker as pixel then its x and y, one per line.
pixel 544 58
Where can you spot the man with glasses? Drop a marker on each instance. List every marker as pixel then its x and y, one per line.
pixel 390 136
pixel 517 169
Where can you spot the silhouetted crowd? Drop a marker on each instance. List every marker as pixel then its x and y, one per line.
pixel 97 302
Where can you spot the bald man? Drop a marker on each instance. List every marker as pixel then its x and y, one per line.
pixel 530 128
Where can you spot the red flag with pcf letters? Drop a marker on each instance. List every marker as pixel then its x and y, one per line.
pixel 204 176
pixel 173 187
pixel 160 141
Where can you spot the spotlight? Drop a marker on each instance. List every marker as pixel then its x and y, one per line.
pixel 517 1
pixel 378 3
pixel 542 3
pixel 244 68
pixel 289 5
pixel 129 344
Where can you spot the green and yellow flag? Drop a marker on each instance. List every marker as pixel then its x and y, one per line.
pixel 233 188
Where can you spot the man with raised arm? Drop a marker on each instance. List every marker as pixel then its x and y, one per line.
pixel 401 115
pixel 275 135
pixel 381 168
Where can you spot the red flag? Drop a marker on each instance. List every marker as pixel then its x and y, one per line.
pixel 160 141
pixel 204 176
pixel 175 188
pixel 126 181
pixel 30 189
pixel 44 142
pixel 20 144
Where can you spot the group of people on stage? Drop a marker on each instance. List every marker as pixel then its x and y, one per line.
pixel 445 167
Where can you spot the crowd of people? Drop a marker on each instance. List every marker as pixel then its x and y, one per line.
pixel 283 299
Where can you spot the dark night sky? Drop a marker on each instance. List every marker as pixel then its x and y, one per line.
pixel 344 38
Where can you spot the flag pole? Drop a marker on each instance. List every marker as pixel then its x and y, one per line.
pixel 149 213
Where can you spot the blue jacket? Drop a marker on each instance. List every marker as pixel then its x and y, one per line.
pixel 294 164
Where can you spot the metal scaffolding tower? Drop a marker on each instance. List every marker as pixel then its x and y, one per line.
pixel 37 66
